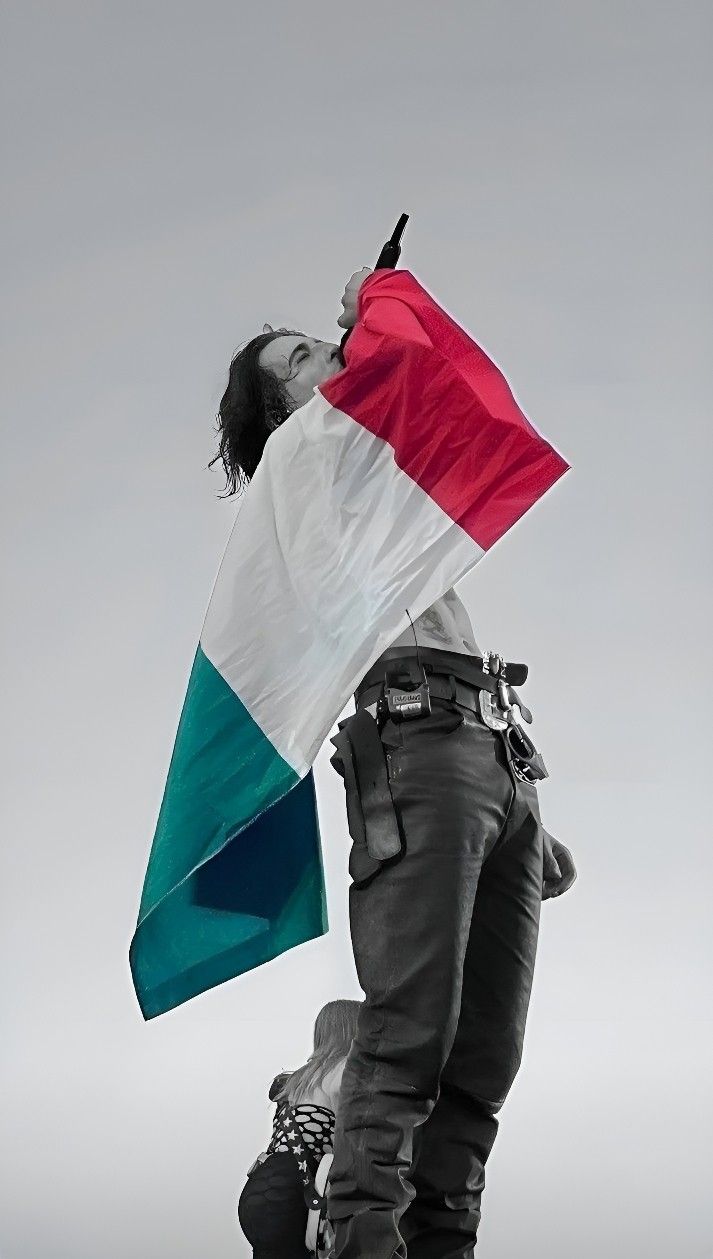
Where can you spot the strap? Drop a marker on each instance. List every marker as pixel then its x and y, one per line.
pixel 277 1084
pixel 450 688
pixel 303 1155
pixel 469 668
pixel 361 760
pixel 317 1240
pixel 440 687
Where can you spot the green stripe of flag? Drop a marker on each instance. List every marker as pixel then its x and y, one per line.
pixel 235 873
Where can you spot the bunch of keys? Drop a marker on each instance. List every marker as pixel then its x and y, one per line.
pixel 496 710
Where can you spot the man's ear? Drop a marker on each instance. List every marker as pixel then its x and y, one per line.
pixel 267 328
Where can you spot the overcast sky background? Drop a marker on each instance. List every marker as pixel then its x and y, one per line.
pixel 174 175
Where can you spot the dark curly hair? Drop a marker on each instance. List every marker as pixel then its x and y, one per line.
pixel 253 406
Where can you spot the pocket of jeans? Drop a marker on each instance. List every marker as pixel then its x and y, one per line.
pixel 391 764
pixel 410 741
pixel 441 722
pixel 447 719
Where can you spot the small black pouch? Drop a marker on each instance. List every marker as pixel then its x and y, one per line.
pixel 528 764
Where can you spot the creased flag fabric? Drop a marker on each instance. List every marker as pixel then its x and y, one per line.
pixel 375 497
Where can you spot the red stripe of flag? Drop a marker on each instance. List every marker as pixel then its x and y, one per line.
pixel 415 379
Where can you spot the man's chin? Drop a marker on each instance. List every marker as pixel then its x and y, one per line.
pixel 333 368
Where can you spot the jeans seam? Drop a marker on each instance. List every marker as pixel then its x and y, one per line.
pixel 511 802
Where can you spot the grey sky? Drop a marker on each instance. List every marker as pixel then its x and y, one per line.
pixel 175 175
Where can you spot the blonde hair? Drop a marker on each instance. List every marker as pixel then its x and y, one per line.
pixel 334 1031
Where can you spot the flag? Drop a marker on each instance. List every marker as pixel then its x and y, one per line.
pixel 374 497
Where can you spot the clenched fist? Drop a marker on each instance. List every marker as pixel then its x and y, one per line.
pixel 348 317
pixel 559 870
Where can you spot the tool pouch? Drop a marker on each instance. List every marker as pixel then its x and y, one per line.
pixel 371 817
pixel 527 763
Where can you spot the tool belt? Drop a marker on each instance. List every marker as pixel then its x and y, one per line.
pixel 479 685
pixel 483 684
pixel 451 676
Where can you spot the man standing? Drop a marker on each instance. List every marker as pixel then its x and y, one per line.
pixel 444 924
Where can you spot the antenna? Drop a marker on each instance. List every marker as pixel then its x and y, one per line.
pixel 418 653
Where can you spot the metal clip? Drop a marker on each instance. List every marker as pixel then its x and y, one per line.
pixel 492 663
pixel 514 715
pixel 503 694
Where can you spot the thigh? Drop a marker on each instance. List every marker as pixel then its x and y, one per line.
pixel 500 958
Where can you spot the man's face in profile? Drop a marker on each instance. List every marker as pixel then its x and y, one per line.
pixel 301 363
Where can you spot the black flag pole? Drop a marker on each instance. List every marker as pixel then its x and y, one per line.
pixel 388 258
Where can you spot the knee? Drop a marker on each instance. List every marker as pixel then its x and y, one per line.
pixel 488 1077
pixel 408 1057
pixel 416 1053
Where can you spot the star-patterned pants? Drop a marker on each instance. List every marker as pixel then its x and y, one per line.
pixel 444 937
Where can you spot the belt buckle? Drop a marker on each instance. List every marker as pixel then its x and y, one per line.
pixel 490 711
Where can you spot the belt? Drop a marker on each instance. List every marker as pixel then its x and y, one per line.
pixel 448 688
pixel 469 668
pixel 359 758
pixel 526 761
pixel 451 676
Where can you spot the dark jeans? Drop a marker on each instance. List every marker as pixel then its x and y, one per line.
pixel 444 939
pixel 272 1210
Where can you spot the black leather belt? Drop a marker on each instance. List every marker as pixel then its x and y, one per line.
pixel 445 671
pixel 360 759
pixel 467 668
pixel 526 761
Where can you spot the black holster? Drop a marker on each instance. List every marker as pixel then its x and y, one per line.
pixel 373 825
